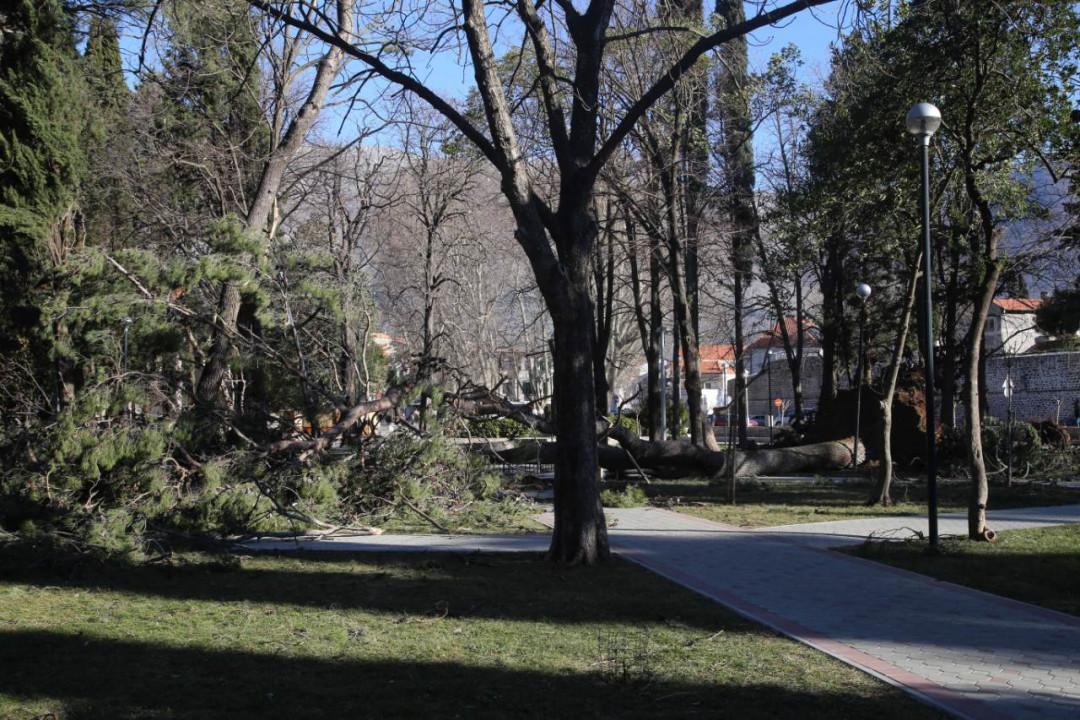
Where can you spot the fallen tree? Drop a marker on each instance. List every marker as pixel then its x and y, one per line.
pixel 664 458
pixel 675 458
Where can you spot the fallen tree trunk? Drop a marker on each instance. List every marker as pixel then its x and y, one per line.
pixel 832 455
pixel 674 458
pixel 694 460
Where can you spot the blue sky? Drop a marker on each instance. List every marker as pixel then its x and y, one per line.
pixel 812 31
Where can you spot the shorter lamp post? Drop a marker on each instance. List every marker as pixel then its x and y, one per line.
pixel 923 120
pixel 768 369
pixel 862 291
pixel 1007 391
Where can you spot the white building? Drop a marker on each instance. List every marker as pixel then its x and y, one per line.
pixel 1010 326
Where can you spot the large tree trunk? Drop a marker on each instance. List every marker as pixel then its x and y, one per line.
pixel 214 371
pixel 580 534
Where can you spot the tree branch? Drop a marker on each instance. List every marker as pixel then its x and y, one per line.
pixel 396 76
pixel 681 67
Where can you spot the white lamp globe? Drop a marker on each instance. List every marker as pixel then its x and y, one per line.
pixel 923 119
pixel 863 291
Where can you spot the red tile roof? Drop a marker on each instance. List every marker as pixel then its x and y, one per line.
pixel 775 339
pixel 1018 305
pixel 713 358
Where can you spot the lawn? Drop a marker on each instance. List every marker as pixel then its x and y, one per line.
pixel 1040 566
pixel 436 636
pixel 760 504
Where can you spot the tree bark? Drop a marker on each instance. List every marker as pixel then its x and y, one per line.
pixel 882 494
pixel 580 533
pixel 980 490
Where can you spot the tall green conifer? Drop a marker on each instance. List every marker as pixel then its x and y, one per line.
pixel 42 119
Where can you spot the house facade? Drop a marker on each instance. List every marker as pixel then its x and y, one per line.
pixel 1010 326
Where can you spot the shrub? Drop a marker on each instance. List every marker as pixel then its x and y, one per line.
pixel 499 427
pixel 630 422
pixel 630 497
pixel 1026 445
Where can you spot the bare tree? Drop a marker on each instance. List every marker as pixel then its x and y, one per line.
pixel 283 149
pixel 557 233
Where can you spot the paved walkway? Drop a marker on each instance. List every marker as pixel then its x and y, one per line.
pixel 971 653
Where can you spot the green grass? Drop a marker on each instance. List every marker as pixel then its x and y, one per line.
pixel 373 636
pixel 1040 566
pixel 760 504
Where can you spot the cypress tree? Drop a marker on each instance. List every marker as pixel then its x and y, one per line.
pixel 42 120
pixel 102 67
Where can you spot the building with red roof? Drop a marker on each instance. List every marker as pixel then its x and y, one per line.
pixel 1010 326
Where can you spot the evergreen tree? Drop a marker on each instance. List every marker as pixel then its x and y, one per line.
pixel 1060 313
pixel 103 195
pixel 103 68
pixel 42 100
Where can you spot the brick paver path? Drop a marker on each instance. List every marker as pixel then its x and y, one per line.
pixel 973 654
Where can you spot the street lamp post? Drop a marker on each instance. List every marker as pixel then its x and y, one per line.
pixel 1007 388
pixel 663 388
pixel 862 291
pixel 768 369
pixel 923 120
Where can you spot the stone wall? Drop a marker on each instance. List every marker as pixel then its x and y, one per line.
pixel 1043 383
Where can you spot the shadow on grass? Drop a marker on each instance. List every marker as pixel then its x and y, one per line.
pixel 517 586
pixel 97 678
